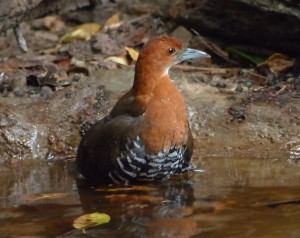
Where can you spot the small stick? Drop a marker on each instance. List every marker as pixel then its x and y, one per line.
pixel 205 70
pixel 117 25
pixel 20 38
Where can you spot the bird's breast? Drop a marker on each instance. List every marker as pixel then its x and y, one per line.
pixel 165 121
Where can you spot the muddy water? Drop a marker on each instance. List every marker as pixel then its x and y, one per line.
pixel 223 197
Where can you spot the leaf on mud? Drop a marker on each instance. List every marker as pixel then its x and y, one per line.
pixel 126 59
pixel 278 63
pixel 136 188
pixel 118 59
pixel 81 32
pixel 78 66
pixel 237 53
pixel 114 19
pixel 89 220
pixel 132 53
pixel 54 23
pixel 259 79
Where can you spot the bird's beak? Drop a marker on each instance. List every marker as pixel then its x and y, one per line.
pixel 189 53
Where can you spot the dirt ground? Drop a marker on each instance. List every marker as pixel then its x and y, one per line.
pixel 72 75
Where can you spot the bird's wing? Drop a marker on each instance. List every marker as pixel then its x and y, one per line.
pixel 103 143
pixel 127 105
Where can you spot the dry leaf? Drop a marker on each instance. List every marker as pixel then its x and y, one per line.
pixel 54 23
pixel 132 53
pixel 259 79
pixel 114 19
pixel 278 63
pixel 230 89
pixel 118 59
pixel 81 32
pixel 89 220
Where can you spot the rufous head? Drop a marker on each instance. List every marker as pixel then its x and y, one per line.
pixel 163 52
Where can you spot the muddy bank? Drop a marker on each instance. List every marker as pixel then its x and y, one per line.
pixel 223 124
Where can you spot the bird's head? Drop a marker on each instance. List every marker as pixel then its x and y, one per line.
pixel 162 52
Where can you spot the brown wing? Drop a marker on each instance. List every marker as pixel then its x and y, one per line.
pixel 127 105
pixel 103 143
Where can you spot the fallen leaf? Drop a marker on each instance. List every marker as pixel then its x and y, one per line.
pixel 89 220
pixel 278 63
pixel 54 23
pixel 118 59
pixel 78 66
pixel 132 53
pixel 230 89
pixel 81 32
pixel 259 79
pixel 114 19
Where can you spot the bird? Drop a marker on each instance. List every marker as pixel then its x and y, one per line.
pixel 146 136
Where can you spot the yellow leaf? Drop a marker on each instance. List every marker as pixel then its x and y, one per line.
pixel 113 20
pixel 132 52
pixel 118 59
pixel 81 32
pixel 89 220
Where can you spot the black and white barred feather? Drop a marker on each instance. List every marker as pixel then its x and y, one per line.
pixel 134 164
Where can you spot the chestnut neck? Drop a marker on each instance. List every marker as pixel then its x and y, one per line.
pixel 147 75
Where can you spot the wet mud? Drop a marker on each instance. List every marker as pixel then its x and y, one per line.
pixel 228 124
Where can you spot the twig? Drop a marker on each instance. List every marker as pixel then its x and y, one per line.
pixel 132 21
pixel 214 48
pixel 282 89
pixel 205 70
pixel 20 38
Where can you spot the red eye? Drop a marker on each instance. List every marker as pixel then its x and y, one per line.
pixel 171 51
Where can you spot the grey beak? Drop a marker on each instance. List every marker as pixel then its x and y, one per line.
pixel 189 53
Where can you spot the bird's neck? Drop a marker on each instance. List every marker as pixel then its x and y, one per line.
pixel 146 80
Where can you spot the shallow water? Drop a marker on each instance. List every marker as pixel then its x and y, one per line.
pixel 223 197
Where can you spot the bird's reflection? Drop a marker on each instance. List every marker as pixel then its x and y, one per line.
pixel 152 209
